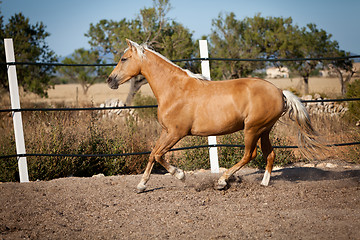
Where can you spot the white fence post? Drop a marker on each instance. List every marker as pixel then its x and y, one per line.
pixel 205 69
pixel 15 104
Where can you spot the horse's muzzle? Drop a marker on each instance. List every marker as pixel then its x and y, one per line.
pixel 112 83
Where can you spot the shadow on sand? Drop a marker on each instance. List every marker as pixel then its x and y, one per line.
pixel 313 174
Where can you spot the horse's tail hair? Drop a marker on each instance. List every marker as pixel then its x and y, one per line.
pixel 308 138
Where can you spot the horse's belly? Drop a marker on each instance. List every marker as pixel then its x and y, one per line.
pixel 216 125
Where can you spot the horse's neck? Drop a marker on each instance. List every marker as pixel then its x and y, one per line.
pixel 162 76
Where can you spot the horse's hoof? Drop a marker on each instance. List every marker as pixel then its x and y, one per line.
pixel 140 188
pixel 221 184
pixel 179 174
pixel 266 179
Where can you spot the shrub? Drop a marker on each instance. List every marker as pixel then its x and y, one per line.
pixel 75 133
pixel 192 159
pixel 145 113
pixel 354 106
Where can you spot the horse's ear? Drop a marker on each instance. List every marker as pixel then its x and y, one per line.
pixel 129 43
pixel 135 47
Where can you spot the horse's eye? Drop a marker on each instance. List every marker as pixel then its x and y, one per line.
pixel 123 59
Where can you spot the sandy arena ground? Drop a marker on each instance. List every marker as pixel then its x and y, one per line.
pixel 301 202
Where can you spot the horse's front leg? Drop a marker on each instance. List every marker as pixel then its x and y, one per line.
pixel 146 176
pixel 163 145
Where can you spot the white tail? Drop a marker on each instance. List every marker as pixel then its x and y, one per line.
pixel 308 137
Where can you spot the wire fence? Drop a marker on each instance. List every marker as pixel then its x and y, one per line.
pixel 143 106
pixel 148 152
pixel 155 106
pixel 193 59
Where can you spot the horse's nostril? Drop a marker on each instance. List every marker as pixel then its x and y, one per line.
pixel 109 80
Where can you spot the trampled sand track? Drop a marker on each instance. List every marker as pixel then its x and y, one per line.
pixel 300 203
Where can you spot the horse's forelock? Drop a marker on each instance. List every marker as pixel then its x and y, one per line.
pixel 140 49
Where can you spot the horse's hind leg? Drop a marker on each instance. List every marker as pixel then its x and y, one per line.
pixel 269 156
pixel 250 147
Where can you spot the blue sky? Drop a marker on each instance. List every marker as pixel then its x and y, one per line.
pixel 67 21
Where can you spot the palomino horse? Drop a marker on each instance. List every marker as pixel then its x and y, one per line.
pixel 188 104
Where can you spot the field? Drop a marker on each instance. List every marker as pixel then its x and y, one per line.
pixel 316 199
pixel 72 94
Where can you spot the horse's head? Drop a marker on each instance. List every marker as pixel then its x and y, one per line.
pixel 128 66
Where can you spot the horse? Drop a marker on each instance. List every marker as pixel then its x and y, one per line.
pixel 190 104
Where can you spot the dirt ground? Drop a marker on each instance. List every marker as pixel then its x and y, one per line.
pixel 302 202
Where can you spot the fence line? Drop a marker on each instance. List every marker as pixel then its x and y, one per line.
pixel 148 152
pixel 76 109
pixel 144 106
pixel 191 59
pixel 154 106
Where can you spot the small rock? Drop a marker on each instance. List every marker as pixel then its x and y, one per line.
pixel 277 168
pixel 98 175
pixel 321 165
pixel 316 96
pixel 330 165
pixel 307 97
pixel 309 165
pixel 326 165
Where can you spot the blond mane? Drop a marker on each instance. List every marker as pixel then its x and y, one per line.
pixel 140 49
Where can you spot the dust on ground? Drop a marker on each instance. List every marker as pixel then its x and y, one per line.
pixel 301 202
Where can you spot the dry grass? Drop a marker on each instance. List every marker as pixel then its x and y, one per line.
pixel 332 130
pixel 88 132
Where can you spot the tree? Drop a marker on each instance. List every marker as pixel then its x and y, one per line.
pixel 267 38
pixel 84 75
pixel 256 37
pixel 309 42
pixel 274 36
pixel 344 69
pixel 30 46
pixel 228 39
pixel 152 26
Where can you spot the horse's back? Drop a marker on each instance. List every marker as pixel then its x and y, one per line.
pixel 248 91
pixel 265 103
pixel 226 106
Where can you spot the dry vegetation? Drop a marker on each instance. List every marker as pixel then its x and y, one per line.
pixel 91 133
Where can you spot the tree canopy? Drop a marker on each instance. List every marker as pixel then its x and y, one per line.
pixel 267 38
pixel 250 38
pixel 166 36
pixel 85 75
pixel 29 46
